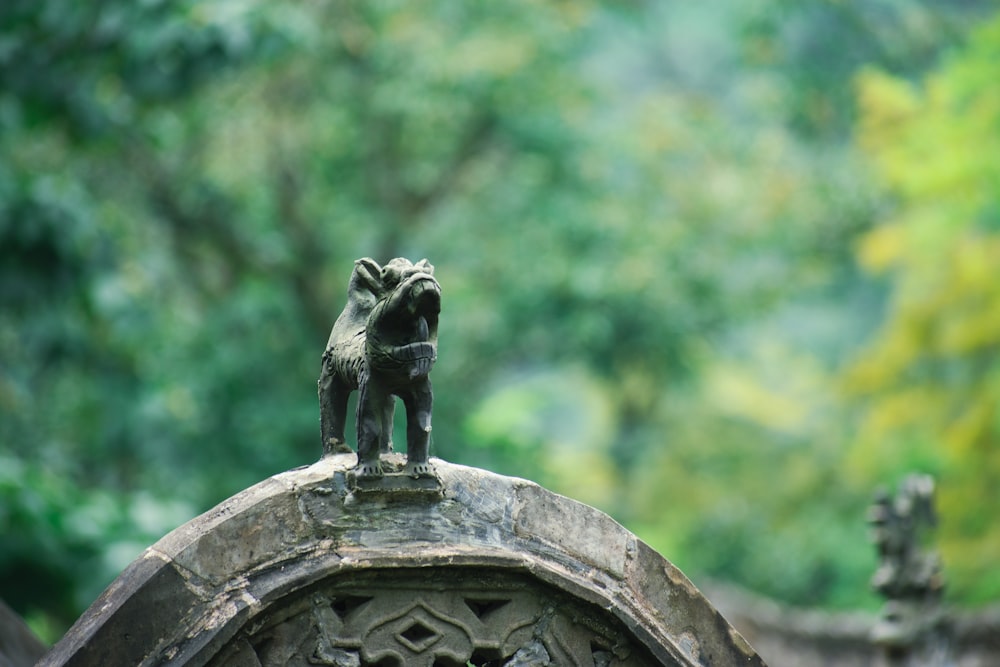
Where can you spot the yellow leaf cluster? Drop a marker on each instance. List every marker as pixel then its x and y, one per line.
pixel 929 383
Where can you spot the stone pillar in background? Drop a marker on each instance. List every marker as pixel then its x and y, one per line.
pixel 913 629
pixel 318 566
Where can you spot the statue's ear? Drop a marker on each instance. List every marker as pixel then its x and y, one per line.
pixel 368 264
pixel 368 275
pixel 425 266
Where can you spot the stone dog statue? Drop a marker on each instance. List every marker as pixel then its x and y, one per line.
pixel 383 344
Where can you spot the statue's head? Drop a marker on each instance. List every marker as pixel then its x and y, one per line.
pixel 409 303
pixel 400 269
pixel 403 324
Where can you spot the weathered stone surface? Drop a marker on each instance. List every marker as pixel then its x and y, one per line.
pixel 250 528
pixel 577 530
pixel 126 624
pixel 255 579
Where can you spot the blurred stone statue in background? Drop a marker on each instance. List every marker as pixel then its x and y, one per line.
pixel 912 629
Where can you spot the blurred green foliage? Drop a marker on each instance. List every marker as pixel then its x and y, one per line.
pixel 644 218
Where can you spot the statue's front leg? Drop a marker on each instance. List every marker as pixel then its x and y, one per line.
pixel 371 409
pixel 419 401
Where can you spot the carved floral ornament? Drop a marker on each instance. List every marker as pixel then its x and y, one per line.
pixel 429 619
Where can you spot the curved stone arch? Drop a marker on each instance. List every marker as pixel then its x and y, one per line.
pixel 292 556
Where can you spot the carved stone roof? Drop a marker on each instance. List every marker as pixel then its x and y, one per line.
pixel 308 567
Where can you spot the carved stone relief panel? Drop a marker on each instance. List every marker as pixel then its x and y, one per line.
pixel 441 617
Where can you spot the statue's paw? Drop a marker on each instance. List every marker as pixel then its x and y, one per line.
pixel 368 470
pixel 419 469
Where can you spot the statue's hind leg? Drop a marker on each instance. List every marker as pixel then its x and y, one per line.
pixel 333 394
pixel 388 418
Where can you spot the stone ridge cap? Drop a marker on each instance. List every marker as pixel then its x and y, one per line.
pixel 284 492
pixel 326 467
pixel 309 477
pixel 532 511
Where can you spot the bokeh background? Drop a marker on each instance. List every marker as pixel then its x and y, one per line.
pixel 719 269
